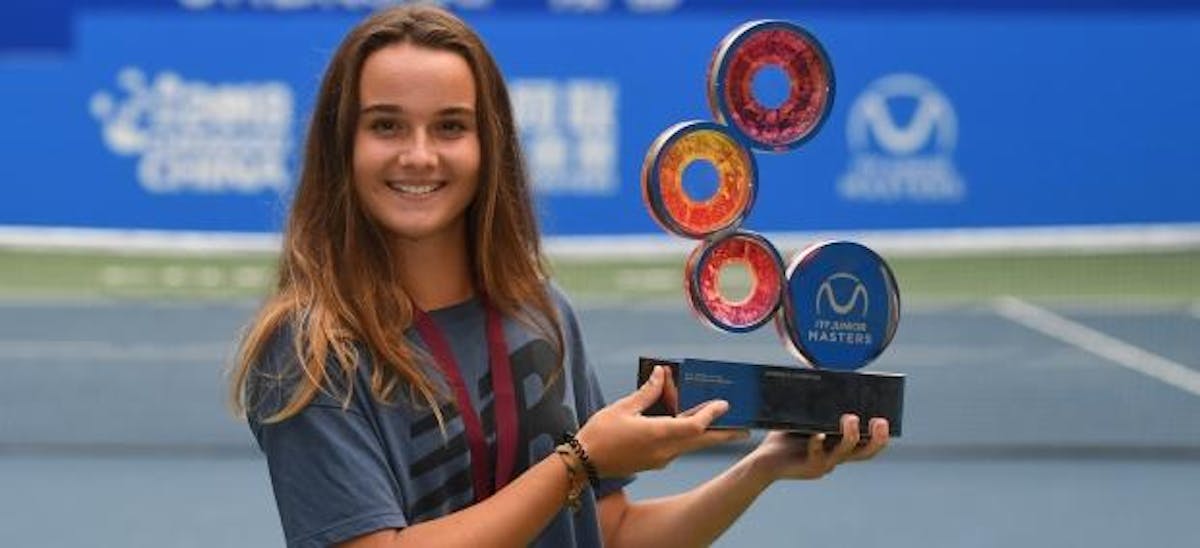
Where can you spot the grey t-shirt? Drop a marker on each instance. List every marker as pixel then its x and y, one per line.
pixel 340 473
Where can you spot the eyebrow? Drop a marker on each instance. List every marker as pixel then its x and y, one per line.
pixel 388 108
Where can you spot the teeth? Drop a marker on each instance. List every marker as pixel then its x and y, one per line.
pixel 414 189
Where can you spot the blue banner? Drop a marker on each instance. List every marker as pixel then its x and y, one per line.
pixel 171 120
pixel 45 25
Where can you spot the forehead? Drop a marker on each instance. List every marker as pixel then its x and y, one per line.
pixel 416 78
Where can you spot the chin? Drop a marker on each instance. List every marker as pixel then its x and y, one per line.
pixel 413 233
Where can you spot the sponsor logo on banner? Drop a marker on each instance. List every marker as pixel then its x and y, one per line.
pixel 894 161
pixel 200 137
pixel 569 134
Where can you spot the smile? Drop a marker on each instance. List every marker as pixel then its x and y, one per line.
pixel 415 188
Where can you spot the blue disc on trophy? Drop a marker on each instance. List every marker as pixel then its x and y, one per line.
pixel 841 306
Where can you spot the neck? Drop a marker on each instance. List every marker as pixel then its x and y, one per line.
pixel 436 272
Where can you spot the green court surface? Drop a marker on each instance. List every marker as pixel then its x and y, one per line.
pixel 1160 276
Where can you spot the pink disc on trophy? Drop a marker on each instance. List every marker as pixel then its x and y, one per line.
pixel 741 57
pixel 766 281
pixel 663 187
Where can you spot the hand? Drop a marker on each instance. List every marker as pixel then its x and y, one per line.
pixel 621 441
pixel 789 456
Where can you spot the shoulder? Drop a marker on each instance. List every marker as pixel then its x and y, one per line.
pixel 561 302
pixel 278 353
pixel 286 347
pixel 284 366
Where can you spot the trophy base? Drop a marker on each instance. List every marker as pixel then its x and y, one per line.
pixel 773 397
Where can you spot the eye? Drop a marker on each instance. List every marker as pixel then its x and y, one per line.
pixel 383 126
pixel 451 128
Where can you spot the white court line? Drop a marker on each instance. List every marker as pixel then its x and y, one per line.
pixel 1100 344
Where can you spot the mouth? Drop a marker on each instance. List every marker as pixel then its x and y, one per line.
pixel 415 188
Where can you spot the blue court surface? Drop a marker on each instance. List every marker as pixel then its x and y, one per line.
pixel 1026 424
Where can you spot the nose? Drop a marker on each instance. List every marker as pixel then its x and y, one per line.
pixel 419 154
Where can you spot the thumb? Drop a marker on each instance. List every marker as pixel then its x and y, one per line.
pixel 646 394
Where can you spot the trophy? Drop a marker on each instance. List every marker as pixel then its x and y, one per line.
pixel 835 305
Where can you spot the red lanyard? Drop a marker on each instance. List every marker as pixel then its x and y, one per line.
pixel 505 402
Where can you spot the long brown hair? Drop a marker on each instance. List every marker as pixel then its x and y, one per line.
pixel 337 278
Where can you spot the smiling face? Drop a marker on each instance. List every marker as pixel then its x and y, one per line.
pixel 416 145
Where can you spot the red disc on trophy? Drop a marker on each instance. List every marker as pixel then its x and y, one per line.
pixel 703 273
pixel 663 186
pixel 742 56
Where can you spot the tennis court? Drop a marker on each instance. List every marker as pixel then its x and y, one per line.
pixel 1032 420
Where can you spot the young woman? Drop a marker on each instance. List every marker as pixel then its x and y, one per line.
pixel 415 380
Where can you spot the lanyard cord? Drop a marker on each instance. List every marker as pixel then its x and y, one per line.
pixel 505 403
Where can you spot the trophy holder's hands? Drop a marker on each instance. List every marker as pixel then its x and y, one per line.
pixel 783 455
pixel 621 441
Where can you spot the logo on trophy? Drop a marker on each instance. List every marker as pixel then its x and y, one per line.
pixel 835 304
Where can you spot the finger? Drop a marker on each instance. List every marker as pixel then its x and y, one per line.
pixel 706 413
pixel 679 427
pixel 816 447
pixel 646 394
pixel 879 439
pixel 670 392
pixel 849 440
pixel 694 409
pixel 693 422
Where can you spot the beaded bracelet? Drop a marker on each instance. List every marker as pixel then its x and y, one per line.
pixel 575 479
pixel 580 452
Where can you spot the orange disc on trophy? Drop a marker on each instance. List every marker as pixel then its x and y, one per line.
pixel 663 187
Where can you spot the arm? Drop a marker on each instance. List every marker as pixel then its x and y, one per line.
pixel 699 516
pixel 512 517
pixel 615 438
pixel 694 518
